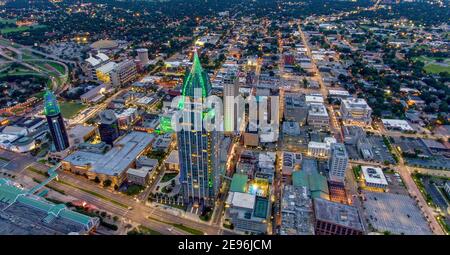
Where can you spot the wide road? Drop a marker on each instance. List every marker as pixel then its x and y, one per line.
pixel 405 173
pixel 334 125
pixel 139 210
pixel 110 207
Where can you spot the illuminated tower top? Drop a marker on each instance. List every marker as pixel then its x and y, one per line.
pixel 51 106
pixel 196 78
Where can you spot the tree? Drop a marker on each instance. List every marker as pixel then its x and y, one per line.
pixel 305 83
pixel 96 180
pixel 107 183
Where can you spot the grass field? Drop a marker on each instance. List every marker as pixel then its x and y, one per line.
pixel 69 109
pixel 180 226
pixel 142 230
pixel 19 29
pixel 433 66
pixel 58 67
pixel 7 21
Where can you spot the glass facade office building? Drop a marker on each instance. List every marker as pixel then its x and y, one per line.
pixel 55 122
pixel 198 149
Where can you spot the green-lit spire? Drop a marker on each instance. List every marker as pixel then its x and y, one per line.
pixel 196 78
pixel 51 106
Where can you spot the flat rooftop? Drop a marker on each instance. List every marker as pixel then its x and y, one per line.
pixel 334 92
pixel 337 213
pixel 116 160
pixel 355 104
pixel 313 99
pixel 399 124
pixel 374 175
pixel 239 183
pixel 241 200
pixel 296 211
pixel 338 149
pixel 318 109
pixel 141 172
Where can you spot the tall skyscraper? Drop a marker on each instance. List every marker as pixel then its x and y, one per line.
pixel 230 91
pixel 337 163
pixel 55 122
pixel 108 127
pixel 198 148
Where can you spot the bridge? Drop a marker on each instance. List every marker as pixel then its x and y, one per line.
pixel 52 175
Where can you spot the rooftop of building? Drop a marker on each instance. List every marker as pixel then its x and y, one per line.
pixel 107 68
pixel 291 158
pixel 29 122
pixel 337 213
pixel 51 106
pixel 104 44
pixel 107 117
pixel 116 160
pixel 196 78
pixel 239 183
pixel 317 109
pixel 395 123
pixel 313 99
pixel 374 175
pixel 23 213
pixel 146 161
pixel 316 183
pixel 338 150
pixel 97 59
pixel 296 211
pixel 261 207
pixel 335 92
pixel 355 103
pixel 291 128
pixel 80 130
pixel 241 200
pixel 173 157
pixel 141 171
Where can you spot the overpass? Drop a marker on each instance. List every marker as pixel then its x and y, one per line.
pixel 52 175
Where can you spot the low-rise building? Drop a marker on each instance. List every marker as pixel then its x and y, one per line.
pixel 22 213
pixel 318 115
pixel 172 162
pixel 373 177
pixel 338 94
pixel 291 162
pixel 140 175
pixel 394 124
pixel 321 149
pixel 113 164
pixel 296 211
pixel 356 111
pixel 247 212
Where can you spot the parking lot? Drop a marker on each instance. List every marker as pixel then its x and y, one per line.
pixel 395 213
pixel 396 185
pixel 14 161
pixel 380 151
